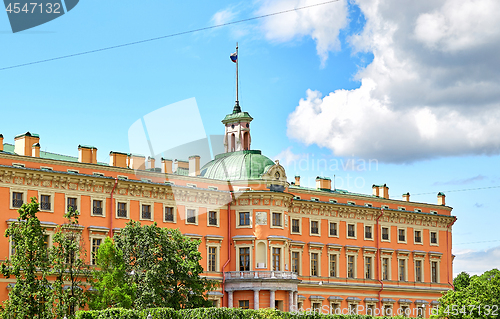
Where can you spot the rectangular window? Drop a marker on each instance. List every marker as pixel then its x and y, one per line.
pixel 97 207
pixel 276 259
pixel 295 262
pixel 351 230
pixel 334 201
pixel 434 239
pixel 244 218
pixel 314 264
pixel 368 232
pixel 212 258
pixel 385 233
pixel 434 271
pixel 277 219
pixel 368 267
pixel 96 242
pixel 169 214
pixel 146 212
pixel 314 227
pixel 350 266
pixel 401 235
pixel 244 304
pixel 72 204
pixel 245 259
pixel 17 199
pixel 191 216
pixel 315 199
pixel 418 271
pixel 418 236
pixel 45 202
pixel 368 205
pixel 295 225
pixel 402 270
pixel 212 218
pixel 385 268
pixel 351 203
pixel 333 229
pixel 316 306
pixel 121 210
pixel 333 265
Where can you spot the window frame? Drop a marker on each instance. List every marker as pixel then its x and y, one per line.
pixel 405 235
pixel 299 219
pixel 389 259
pixel 405 265
pixel 51 201
pixel 354 273
pixel 422 271
pixel 347 230
pixel 101 198
pixel 91 239
pixel 299 263
pixel 196 215
pixel 13 190
pixel 337 228
pixel 238 248
pixel 421 242
pixel 250 218
pixel 337 260
pixel 217 217
pixel 311 220
pixel 437 281
pixel 388 233
pixel 430 238
pixel 371 274
pixel 217 257
pixel 281 219
pixel 371 232
pixel 127 206
pixel 78 201
pixel 151 204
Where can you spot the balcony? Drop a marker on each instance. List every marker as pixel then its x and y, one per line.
pixel 260 275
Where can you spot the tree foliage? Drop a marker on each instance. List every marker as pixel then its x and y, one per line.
pixel 164 266
pixel 110 286
pixel 474 297
pixel 30 296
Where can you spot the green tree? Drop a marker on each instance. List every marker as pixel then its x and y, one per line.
pixel 165 267
pixel 30 296
pixel 479 299
pixel 68 265
pixel 110 279
pixel 461 281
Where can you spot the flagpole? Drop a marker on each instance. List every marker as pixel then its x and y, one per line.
pixel 237 58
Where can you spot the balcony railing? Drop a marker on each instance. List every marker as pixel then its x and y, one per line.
pixel 97 210
pixel 169 217
pixel 295 229
pixel 402 238
pixel 385 236
pixel 121 213
pixel 368 235
pixel 17 203
pixel 314 230
pixel 350 233
pixel 260 275
pixel 212 221
pixel 146 215
pixel 44 206
pixel 191 220
pixel 418 239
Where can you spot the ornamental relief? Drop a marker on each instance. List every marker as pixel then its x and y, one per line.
pixel 19 180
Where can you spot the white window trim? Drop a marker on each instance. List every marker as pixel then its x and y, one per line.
pixel 422 269
pixel 101 198
pixel 319 252
pixel 217 256
pixel 300 225
pixel 282 256
pixel 315 199
pixel 73 171
pixel 51 195
pixel 150 203
pixel 389 270
pixel 385 206
pixel 437 238
pixel 338 229
pixel 18 165
pixel 46 168
pixel 351 203
pixel 347 231
pixel 406 235
pixel 213 188
pixel 174 212
pixel 368 204
pixel 196 215
pixel 125 201
pixel 355 266
pixel 91 244
pixel 282 220
pixel 337 261
pixel 333 201
pixel 250 213
pixel 401 208
pixel 17 190
pixel 388 231
pixel 122 177
pixel 300 251
pixel 372 231
pixel 372 270
pixel 438 270
pixel 421 236
pixel 312 219
pixel 78 201
pixel 237 247
pixel 217 215
pixel 98 174
pixel 406 260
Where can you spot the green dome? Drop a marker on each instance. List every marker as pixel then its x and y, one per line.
pixel 241 165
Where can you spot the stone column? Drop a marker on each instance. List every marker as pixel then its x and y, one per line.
pixel 291 306
pixel 295 299
pixel 272 299
pixel 230 299
pixel 256 299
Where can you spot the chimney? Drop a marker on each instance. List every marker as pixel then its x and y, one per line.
pixel 151 163
pixel 406 197
pixel 24 142
pixel 297 180
pixel 1 142
pixel 375 190
pixel 87 154
pixel 180 164
pixel 323 183
pixel 194 165
pixel 35 150
pixel 385 190
pixel 137 162
pixel 441 199
pixel 118 159
pixel 166 165
pixel 381 191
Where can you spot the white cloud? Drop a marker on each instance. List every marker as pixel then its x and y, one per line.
pixel 321 23
pixel 287 157
pixel 223 16
pixel 431 90
pixel 475 262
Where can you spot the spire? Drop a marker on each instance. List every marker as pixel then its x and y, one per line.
pixel 237 108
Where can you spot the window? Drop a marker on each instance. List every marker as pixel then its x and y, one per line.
pixel 434 271
pixel 122 177
pixel 315 199
pixel 418 236
pixel 417 210
pixel 368 232
pixel 385 268
pixel 276 259
pixel 244 218
pixel 434 239
pixel 277 220
pixel 146 212
pixel 351 230
pixel 146 180
pixel 191 185
pixel 385 233
pixel 434 212
pixel 385 207
pixel 333 265
pixel 401 235
pixel 72 204
pixel 402 270
pixel 73 171
pixel 12 247
pixel 418 270
pixel 401 208
pixel 295 262
pixel 314 264
pixel 17 199
pixel 316 306
pixel 191 216
pixel 296 197
pixel 295 225
pixel 213 188
pixel 96 242
pixel 97 207
pixel 333 229
pixel 212 258
pixel 45 202
pixel 169 214
pixel 350 266
pixel 334 201
pixel 351 203
pixel 19 165
pixel 45 168
pixel 368 267
pixel 245 259
pixel 212 218
pixel 244 304
pixel 121 210
pixel 98 174
pixel 314 227
pixel 368 205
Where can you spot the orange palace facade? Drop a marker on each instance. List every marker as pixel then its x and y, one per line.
pixel 270 243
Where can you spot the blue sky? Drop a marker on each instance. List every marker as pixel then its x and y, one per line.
pixel 414 88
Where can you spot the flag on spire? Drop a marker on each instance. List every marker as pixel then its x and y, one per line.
pixel 234 57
